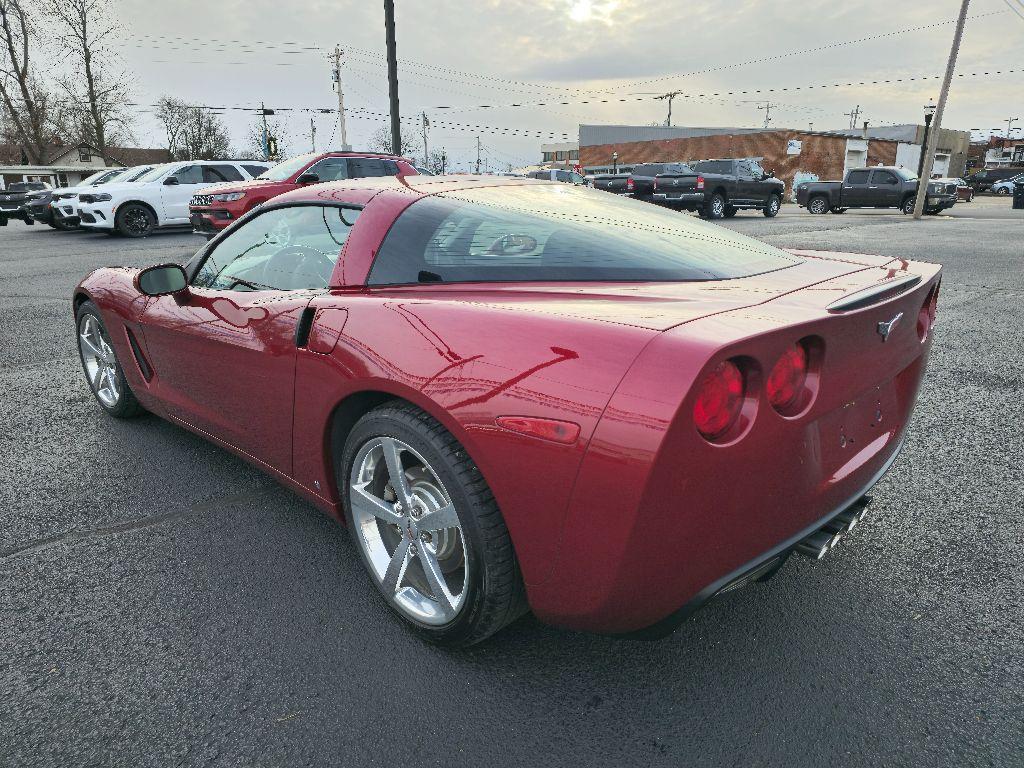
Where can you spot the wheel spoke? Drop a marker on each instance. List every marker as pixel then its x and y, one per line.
pixel 436 520
pixel 93 349
pixel 396 568
pixel 364 501
pixel 396 471
pixel 435 578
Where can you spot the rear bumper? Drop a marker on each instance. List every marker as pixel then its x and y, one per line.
pixel 679 198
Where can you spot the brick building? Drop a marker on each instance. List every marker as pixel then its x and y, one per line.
pixel 793 155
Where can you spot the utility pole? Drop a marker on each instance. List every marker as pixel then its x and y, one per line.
pixel 1010 121
pixel 933 138
pixel 389 32
pixel 266 136
pixel 767 107
pixel 426 152
pixel 853 115
pixel 477 155
pixel 341 99
pixel 444 161
pixel 669 96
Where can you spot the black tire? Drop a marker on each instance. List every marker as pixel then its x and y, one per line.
pixel 1002 191
pixel 715 206
pixel 839 210
pixel 127 406
pixel 730 211
pixel 771 210
pixel 134 220
pixel 908 206
pixel 63 226
pixel 495 593
pixel 818 205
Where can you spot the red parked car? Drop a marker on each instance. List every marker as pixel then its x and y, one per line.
pixel 522 394
pixel 217 207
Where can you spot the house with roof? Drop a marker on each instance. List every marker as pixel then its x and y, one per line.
pixel 67 165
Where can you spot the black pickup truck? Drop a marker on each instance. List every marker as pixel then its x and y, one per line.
pixel 880 187
pixel 641 180
pixel 14 198
pixel 616 183
pixel 720 188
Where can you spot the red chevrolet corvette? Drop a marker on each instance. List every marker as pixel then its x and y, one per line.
pixel 528 395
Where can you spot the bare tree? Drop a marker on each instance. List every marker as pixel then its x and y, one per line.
pixel 31 118
pixel 380 141
pixel 193 133
pixel 97 95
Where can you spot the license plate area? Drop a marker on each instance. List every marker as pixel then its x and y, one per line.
pixel 851 436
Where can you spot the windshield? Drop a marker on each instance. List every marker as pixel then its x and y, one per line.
pixel 906 175
pixel 287 169
pixel 559 233
pixel 153 173
pixel 136 173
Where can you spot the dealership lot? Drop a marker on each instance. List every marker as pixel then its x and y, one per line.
pixel 165 603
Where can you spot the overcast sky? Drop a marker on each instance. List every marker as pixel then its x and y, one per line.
pixel 468 53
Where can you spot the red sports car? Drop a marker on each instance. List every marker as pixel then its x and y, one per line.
pixel 529 395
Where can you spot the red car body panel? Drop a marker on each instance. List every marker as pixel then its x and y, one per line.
pixel 218 216
pixel 641 514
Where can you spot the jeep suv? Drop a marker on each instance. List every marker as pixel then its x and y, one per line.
pixel 214 209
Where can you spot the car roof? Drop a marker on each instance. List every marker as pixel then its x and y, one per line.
pixel 418 186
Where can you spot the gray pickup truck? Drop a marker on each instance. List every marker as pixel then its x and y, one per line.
pixel 879 187
pixel 719 188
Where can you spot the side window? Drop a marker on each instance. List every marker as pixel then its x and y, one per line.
pixel 563 176
pixel 362 167
pixel 215 173
pixel 284 249
pixel 331 169
pixel 757 169
pixel 884 177
pixel 190 174
pixel 254 170
pixel 743 169
pixel 857 177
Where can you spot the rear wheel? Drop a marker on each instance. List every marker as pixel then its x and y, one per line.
pixel 818 205
pixel 100 364
pixel 715 207
pixel 908 205
pixel 1002 191
pixel 772 209
pixel 134 220
pixel 428 528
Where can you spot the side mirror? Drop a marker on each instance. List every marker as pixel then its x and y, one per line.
pixel 162 280
pixel 170 181
pixel 308 178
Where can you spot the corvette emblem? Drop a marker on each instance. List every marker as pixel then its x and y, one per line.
pixel 885 328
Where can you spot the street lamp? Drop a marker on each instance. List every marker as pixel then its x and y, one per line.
pixel 929 113
pixel 615 162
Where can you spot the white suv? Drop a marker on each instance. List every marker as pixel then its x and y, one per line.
pixel 158 198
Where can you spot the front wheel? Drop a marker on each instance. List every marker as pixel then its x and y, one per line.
pixel 134 220
pixel 908 206
pixel 772 209
pixel 427 527
pixel 102 369
pixel 818 205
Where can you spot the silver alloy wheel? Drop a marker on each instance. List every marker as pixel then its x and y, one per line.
pixel 718 206
pixel 773 204
pixel 818 205
pixel 409 530
pixel 99 361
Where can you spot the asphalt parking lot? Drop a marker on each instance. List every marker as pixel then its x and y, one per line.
pixel 163 603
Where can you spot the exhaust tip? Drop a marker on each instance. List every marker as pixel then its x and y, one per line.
pixel 817 545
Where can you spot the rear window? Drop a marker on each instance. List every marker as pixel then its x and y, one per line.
pixel 713 166
pixel 650 169
pixel 559 233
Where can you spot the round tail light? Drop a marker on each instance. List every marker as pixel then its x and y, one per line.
pixel 787 380
pixel 719 400
pixel 926 315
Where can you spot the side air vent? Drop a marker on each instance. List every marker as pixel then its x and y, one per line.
pixel 144 367
pixel 875 294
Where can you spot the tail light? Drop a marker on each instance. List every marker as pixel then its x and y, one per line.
pixel 630 184
pixel 700 182
pixel 926 316
pixel 787 381
pixel 719 401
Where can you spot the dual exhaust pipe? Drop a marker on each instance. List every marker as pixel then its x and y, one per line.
pixel 822 541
